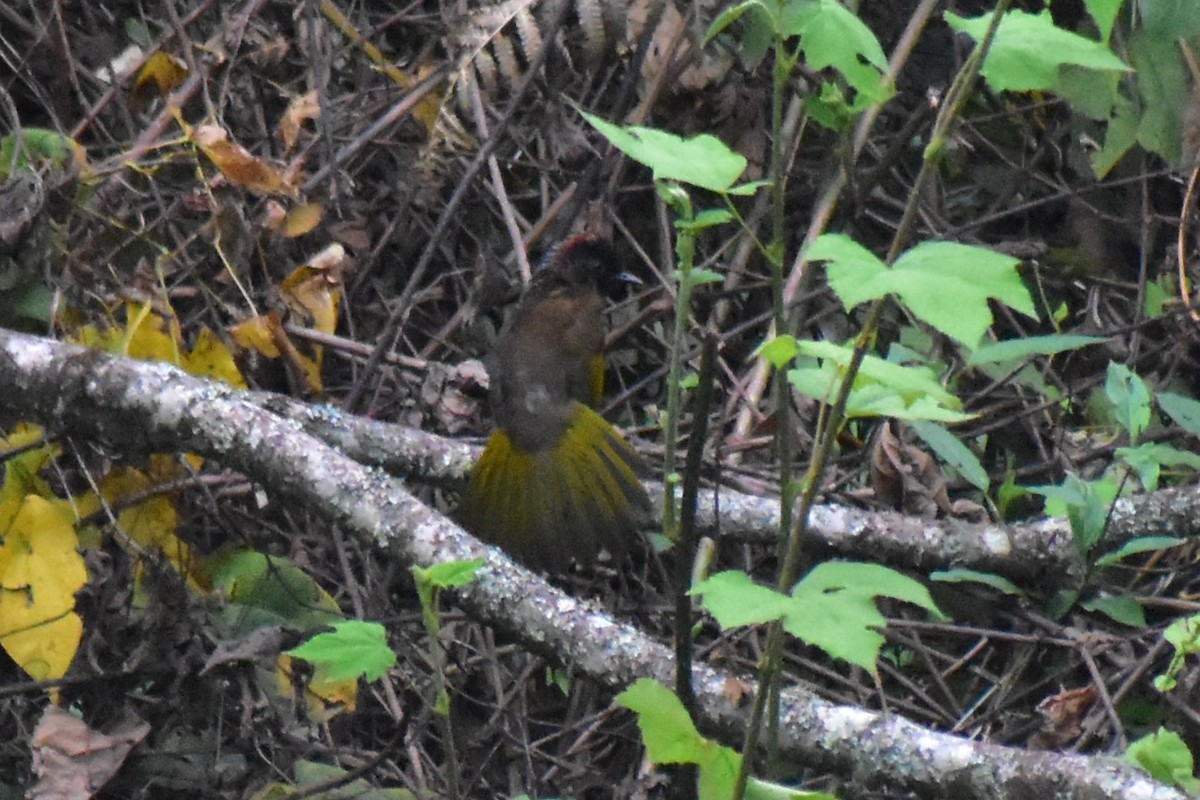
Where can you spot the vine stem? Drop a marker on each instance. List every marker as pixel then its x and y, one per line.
pixel 956 96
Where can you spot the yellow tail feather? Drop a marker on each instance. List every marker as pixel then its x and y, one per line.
pixel 548 507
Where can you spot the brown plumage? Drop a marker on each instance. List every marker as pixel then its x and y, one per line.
pixel 556 481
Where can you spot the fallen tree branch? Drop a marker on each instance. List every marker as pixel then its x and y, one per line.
pixel 1039 554
pixel 155 407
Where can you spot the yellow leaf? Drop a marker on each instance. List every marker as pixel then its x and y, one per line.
pixel 256 334
pixel 160 70
pixel 40 572
pixel 21 472
pixel 304 107
pixel 301 220
pixel 153 522
pixel 212 359
pixel 238 165
pixel 324 699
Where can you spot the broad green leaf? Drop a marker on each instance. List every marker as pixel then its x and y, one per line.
pixel 1104 13
pixel 354 648
pixel 1028 50
pixel 1162 79
pixel 835 608
pixel 1015 349
pixel 1148 459
pixel 832 36
pixel 1185 411
pixel 880 388
pixel 1120 135
pixel 1166 757
pixel 449 574
pixel 1130 398
pixel 731 15
pixel 735 600
pixel 703 160
pixel 778 351
pixel 950 449
pixel 267 590
pixel 973 576
pixel 1124 609
pixel 944 283
pixel 671 738
pixel 1143 544
pixel 1085 504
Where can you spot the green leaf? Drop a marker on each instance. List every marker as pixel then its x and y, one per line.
pixel 832 36
pixel 944 283
pixel 973 576
pixel 1148 458
pixel 880 388
pixel 1028 50
pixel 1166 757
pixel 1184 410
pixel 698 276
pixel 671 738
pixel 449 574
pixel 950 449
pixel 832 607
pixel 1130 399
pixel 707 218
pixel 354 648
pixel 735 600
pixel 1143 544
pixel 747 189
pixel 778 351
pixel 731 15
pixel 668 732
pixel 1120 135
pixel 1104 12
pixel 703 160
pixel 1015 349
pixel 319 777
pixel 1124 609
pixel 1085 504
pixel 264 590
pixel 1162 79
pixel 835 609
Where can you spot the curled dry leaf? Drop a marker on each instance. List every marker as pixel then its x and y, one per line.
pixel 239 166
pixel 302 108
pixel 72 761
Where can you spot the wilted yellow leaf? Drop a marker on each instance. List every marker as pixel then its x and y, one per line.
pixel 238 164
pixel 257 334
pixel 40 572
pixel 304 107
pixel 160 70
pixel 315 288
pixel 301 220
pixel 323 699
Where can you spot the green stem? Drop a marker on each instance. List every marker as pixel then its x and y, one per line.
pixel 826 437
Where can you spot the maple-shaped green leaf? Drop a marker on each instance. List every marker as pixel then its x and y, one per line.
pixel 946 284
pixel 1028 50
pixel 833 607
pixel 354 648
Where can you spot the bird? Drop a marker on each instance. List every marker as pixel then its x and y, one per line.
pixel 556 481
